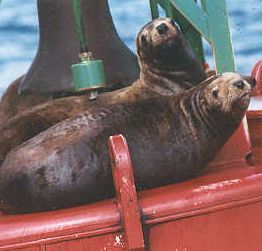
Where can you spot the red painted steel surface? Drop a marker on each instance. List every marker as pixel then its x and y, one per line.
pixel 255 129
pixel 254 115
pixel 99 224
pixel 235 150
pixel 126 195
pixel 97 219
pixel 234 229
pixel 257 74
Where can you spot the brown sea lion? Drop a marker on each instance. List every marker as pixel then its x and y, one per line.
pixel 170 138
pixel 51 72
pixel 168 66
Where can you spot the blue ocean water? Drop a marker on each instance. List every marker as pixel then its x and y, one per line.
pixel 19 32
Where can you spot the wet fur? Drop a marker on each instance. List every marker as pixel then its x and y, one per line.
pixel 170 139
pixel 161 75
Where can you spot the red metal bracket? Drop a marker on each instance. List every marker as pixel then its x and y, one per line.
pixel 257 74
pixel 126 193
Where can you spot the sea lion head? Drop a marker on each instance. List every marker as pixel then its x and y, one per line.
pixel 156 40
pixel 229 94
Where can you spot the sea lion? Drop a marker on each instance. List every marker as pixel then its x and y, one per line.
pixel 50 71
pixel 168 66
pixel 170 138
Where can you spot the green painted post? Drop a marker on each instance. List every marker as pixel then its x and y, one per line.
pixel 204 21
pixel 192 35
pixel 219 34
pixel 168 8
pixel 194 14
pixel 154 9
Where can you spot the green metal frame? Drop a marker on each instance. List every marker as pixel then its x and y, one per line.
pixel 208 20
pixel 79 25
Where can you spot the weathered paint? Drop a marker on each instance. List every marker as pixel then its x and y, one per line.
pixel 126 195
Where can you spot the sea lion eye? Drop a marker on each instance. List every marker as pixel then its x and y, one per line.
pixel 239 84
pixel 143 41
pixel 215 92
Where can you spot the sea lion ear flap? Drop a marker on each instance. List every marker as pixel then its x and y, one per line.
pixel 143 41
pixel 215 92
pixel 175 24
pixel 251 80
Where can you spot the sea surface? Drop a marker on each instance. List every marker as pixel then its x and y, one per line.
pixel 19 32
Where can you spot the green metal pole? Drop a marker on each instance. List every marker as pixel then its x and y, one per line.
pixel 154 9
pixel 219 34
pixel 194 14
pixel 79 24
pixel 210 21
pixel 193 36
pixel 168 8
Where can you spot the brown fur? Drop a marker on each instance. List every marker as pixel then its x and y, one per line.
pixel 12 103
pixel 161 75
pixel 171 138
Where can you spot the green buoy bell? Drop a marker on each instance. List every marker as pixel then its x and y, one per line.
pixel 88 74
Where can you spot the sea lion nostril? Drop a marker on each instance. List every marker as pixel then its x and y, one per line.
pixel 162 28
pixel 239 84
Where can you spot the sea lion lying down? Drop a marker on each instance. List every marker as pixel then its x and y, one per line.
pixel 170 138
pixel 168 65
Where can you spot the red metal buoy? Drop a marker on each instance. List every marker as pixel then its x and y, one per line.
pixel 257 74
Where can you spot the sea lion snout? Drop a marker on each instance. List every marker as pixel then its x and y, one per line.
pixel 229 92
pixel 162 28
pixel 239 84
pixel 158 42
pixel 157 33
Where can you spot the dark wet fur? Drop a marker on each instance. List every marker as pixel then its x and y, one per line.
pixel 170 139
pixel 176 69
